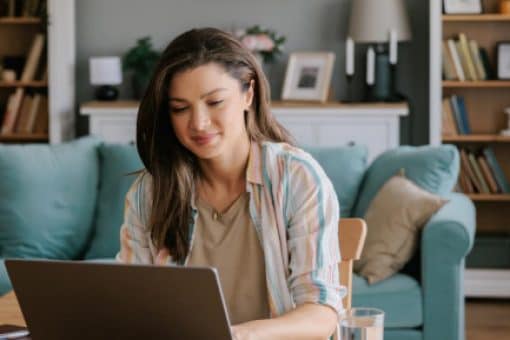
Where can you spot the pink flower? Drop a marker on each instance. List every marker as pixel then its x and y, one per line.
pixel 264 43
pixel 250 42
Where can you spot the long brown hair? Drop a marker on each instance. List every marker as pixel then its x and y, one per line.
pixel 174 168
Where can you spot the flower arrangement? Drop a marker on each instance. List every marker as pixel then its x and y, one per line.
pixel 263 42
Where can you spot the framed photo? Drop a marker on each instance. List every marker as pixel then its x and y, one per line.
pixel 462 6
pixel 308 76
pixel 503 59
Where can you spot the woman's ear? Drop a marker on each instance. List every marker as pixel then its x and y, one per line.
pixel 249 94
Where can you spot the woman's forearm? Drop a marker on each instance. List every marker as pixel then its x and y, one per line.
pixel 308 321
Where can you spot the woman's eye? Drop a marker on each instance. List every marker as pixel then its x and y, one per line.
pixel 215 102
pixel 177 109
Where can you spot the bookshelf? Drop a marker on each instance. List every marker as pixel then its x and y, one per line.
pixel 53 78
pixel 484 101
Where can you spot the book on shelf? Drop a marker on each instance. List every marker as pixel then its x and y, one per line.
pixel 42 119
pixel 475 56
pixel 497 171
pixel 449 72
pixel 484 187
pixel 469 172
pixel 11 112
pixel 488 175
pixel 449 126
pixel 460 114
pixel 489 70
pixel 32 115
pixel 456 60
pixel 33 58
pixel 23 114
pixel 465 57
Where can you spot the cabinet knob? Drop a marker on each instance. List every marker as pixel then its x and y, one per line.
pixel 351 143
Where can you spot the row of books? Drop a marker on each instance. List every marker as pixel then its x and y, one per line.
pixel 33 66
pixel 25 8
pixel 455 117
pixel 464 59
pixel 481 173
pixel 25 114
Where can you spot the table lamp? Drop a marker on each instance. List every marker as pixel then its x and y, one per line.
pixel 105 72
pixel 382 24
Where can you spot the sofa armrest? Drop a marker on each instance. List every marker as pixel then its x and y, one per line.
pixel 446 240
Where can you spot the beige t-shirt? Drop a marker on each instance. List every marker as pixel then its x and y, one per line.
pixel 229 242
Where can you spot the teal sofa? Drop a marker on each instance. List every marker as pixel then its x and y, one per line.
pixel 66 202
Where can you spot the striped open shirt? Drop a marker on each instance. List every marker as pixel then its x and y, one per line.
pixel 295 211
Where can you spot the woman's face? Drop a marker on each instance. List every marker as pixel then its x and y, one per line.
pixel 207 110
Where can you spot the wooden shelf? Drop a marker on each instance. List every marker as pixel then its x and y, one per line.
pixel 476 139
pixel 476 84
pixel 476 18
pixel 19 21
pixel 19 137
pixel 489 197
pixel 24 84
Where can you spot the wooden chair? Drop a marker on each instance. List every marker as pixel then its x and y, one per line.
pixel 351 235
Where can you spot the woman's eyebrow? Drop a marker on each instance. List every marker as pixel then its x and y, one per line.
pixel 202 96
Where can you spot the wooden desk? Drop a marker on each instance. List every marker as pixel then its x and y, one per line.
pixel 10 312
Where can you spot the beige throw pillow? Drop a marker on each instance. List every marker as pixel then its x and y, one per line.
pixel 394 219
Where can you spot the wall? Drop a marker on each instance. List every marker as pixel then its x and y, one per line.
pixel 110 27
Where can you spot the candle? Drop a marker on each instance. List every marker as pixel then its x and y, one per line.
pixel 370 65
pixel 393 47
pixel 349 57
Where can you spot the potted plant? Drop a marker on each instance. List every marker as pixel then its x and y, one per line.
pixel 140 60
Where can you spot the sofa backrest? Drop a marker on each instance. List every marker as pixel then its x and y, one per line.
pixel 47 198
pixel 345 167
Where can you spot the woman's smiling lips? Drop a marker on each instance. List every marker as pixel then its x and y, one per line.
pixel 204 138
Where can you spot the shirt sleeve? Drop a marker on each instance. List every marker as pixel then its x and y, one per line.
pixel 313 235
pixel 134 233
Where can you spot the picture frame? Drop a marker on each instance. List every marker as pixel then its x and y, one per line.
pixel 308 76
pixel 462 6
pixel 503 60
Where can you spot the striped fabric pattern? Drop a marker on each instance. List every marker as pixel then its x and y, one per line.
pixel 295 211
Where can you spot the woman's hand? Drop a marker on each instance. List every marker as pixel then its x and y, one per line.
pixel 247 331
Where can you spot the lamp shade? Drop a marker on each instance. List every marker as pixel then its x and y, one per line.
pixel 372 20
pixel 105 71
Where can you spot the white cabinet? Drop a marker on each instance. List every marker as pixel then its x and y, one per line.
pixel 374 125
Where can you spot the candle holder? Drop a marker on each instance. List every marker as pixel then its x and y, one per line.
pixel 349 97
pixel 395 95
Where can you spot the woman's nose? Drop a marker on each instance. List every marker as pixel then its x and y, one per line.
pixel 200 119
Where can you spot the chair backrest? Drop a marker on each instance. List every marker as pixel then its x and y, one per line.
pixel 351 235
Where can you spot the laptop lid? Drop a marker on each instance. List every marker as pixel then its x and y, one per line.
pixel 83 300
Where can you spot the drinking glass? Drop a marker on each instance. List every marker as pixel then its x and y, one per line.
pixel 362 323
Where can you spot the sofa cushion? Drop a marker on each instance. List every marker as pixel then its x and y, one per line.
pixel 5 283
pixel 116 162
pixel 345 166
pixel 48 194
pixel 394 218
pixel 399 297
pixel 433 168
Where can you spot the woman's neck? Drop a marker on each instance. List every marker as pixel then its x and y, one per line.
pixel 228 171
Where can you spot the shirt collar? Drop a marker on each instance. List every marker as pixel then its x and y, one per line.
pixel 254 168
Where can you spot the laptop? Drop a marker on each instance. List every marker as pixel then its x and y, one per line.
pixel 84 300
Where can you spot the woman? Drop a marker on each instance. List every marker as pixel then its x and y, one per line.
pixel 223 187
